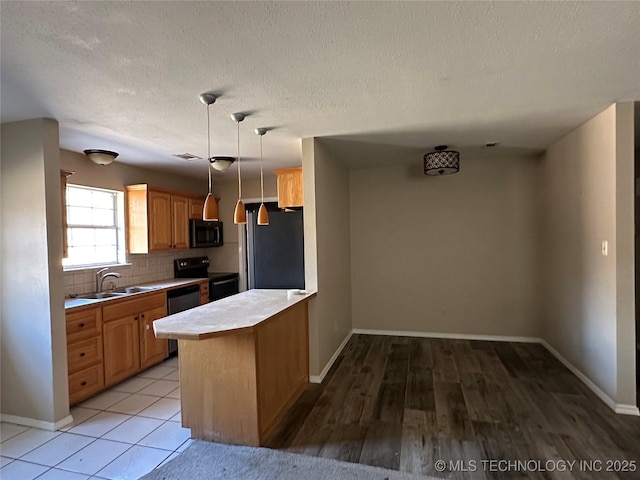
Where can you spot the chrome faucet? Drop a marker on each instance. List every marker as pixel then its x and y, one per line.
pixel 100 276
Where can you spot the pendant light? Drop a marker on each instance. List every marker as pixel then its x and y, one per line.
pixel 263 216
pixel 239 214
pixel 210 210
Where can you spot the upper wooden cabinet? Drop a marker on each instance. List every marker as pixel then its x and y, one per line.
pixel 196 204
pixel 290 190
pixel 157 219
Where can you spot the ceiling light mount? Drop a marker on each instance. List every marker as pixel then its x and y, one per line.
pixel 221 164
pixel 208 98
pixel 101 157
pixel 442 161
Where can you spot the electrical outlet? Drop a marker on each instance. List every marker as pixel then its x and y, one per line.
pixel 605 248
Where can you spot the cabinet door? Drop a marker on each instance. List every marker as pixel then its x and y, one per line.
pixel 195 208
pixel 121 349
pixel 180 221
pixel 159 221
pixel 152 350
pixel 290 190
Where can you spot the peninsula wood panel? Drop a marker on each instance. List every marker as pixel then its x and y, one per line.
pixel 282 371
pixel 218 389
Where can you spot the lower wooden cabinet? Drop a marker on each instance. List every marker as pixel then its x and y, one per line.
pixel 129 342
pixel 84 353
pixel 108 344
pixel 152 349
pixel 122 349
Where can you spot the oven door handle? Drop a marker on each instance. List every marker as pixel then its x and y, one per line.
pixel 223 282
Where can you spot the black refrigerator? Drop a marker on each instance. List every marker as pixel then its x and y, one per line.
pixel 275 252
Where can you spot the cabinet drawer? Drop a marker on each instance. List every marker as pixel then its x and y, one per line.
pixel 84 354
pixel 83 324
pixel 125 308
pixel 204 288
pixel 204 299
pixel 84 383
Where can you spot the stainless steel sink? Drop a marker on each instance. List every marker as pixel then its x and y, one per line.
pixel 97 296
pixel 134 289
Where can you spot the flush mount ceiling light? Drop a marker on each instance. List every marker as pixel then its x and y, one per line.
pixel 442 161
pixel 101 157
pixel 239 214
pixel 210 210
pixel 221 163
pixel 263 216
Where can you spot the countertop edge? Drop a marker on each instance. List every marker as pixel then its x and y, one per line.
pixel 232 331
pixel 103 301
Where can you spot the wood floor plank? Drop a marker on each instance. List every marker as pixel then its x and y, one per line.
pixel 382 445
pixel 404 403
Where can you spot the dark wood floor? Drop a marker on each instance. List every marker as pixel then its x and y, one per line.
pixel 403 403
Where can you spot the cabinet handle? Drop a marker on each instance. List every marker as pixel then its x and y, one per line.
pixel 82 354
pixel 142 315
pixel 83 384
pixel 81 325
pixel 136 317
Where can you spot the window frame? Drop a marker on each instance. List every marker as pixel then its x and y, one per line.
pixel 117 226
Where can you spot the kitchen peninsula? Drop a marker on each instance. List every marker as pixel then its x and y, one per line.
pixel 243 361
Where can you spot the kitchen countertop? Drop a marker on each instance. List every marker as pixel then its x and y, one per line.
pixel 157 286
pixel 232 314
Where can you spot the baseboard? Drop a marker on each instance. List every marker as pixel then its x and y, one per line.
pixel 620 408
pixel 454 336
pixel 327 367
pixel 32 422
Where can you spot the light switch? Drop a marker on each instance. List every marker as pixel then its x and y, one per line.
pixel 605 248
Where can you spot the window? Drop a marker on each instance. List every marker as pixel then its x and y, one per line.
pixel 95 232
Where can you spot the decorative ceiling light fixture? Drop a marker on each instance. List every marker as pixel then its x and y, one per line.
pixel 239 214
pixel 263 216
pixel 221 164
pixel 442 161
pixel 101 157
pixel 210 210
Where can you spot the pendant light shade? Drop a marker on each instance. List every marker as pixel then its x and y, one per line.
pixel 210 210
pixel 239 214
pixel 263 216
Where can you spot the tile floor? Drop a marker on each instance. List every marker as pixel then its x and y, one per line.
pixel 122 433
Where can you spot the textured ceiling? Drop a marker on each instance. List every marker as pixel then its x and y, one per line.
pixel 126 76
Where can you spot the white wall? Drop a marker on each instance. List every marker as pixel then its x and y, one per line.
pixel 327 252
pixel 587 307
pixel 452 254
pixel 34 360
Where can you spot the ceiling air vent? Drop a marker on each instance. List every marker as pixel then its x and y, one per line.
pixel 187 156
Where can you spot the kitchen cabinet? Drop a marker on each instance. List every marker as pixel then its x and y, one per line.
pixel 84 353
pixel 196 205
pixel 157 219
pixel 122 349
pixel 129 345
pixel 152 350
pixel 290 187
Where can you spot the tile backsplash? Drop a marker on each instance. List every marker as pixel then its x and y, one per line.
pixel 143 268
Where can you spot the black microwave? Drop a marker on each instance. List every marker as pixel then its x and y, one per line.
pixel 204 234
